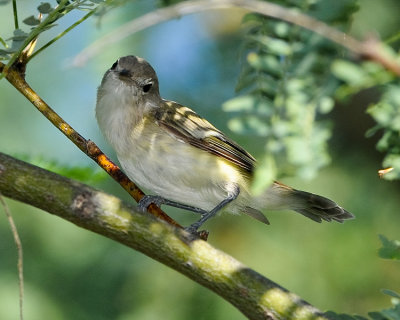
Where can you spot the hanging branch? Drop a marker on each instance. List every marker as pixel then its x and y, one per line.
pixel 368 49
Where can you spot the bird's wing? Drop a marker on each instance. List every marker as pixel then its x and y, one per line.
pixel 188 126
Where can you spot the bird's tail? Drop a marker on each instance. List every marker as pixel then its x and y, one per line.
pixel 314 207
pixel 318 208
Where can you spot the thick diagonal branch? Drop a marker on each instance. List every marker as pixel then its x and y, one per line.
pixel 254 295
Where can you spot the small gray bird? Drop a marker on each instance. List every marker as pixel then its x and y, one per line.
pixel 182 158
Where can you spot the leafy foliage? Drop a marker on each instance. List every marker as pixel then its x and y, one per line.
pixel 387 116
pixel 17 39
pixel 386 314
pixel 43 20
pixel 87 174
pixel 286 85
pixel 391 293
pixel 392 313
pixel 390 250
pixel 386 112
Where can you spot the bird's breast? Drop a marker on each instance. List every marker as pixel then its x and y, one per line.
pixel 176 170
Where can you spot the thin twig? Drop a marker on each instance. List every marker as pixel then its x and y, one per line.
pixel 51 17
pixel 20 264
pixel 364 49
pixel 394 38
pixel 15 14
pixel 59 36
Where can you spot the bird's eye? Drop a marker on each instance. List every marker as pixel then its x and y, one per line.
pixel 147 87
pixel 114 65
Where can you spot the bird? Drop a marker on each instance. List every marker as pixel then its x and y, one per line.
pixel 182 159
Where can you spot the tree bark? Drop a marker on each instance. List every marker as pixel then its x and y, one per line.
pixel 254 295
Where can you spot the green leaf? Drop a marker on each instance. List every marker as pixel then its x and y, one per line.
pixel 18 35
pixel 349 72
pixel 252 17
pixel 281 29
pixel 387 314
pixel 17 40
pixel 339 12
pixel 5 53
pixel 88 174
pixel 390 248
pixel 391 293
pixel 381 112
pixel 298 150
pixel 342 316
pixel 393 313
pixel 242 103
pixel 264 175
pixel 273 45
pixel 392 160
pixel 326 104
pixel 45 8
pixel 370 132
pixel 377 316
pixel 31 21
pixel 250 124
pixel 265 63
pixel 248 103
pixel 384 142
pixel 387 115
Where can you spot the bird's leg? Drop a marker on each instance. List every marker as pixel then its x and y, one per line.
pixel 207 215
pixel 157 200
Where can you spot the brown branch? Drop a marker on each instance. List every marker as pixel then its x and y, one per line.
pixel 15 75
pixel 254 295
pixel 369 49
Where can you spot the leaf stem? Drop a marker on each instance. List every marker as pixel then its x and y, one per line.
pixel 393 38
pixel 62 34
pixel 53 16
pixel 16 25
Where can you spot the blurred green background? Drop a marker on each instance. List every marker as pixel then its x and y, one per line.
pixel 71 273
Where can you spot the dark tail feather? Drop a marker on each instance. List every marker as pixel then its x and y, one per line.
pixel 256 214
pixel 318 208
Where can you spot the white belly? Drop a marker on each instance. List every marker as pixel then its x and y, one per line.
pixel 178 171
